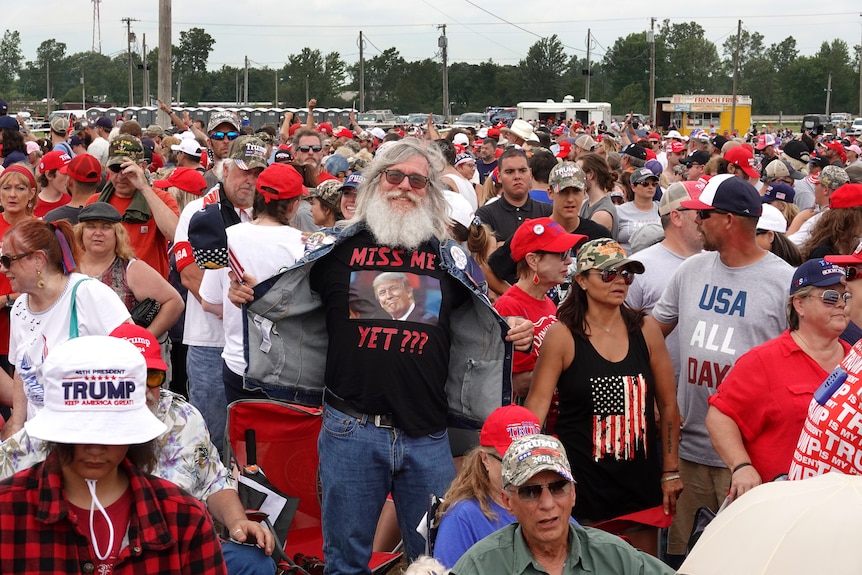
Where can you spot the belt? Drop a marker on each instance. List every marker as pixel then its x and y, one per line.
pixel 386 420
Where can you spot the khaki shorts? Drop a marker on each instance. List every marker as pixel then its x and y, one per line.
pixel 703 486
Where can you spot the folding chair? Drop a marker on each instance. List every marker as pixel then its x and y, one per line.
pixel 286 437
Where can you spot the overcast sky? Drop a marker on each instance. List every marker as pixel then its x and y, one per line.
pixel 267 31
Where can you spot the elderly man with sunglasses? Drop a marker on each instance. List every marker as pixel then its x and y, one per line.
pixel 149 215
pixel 390 386
pixel 539 490
pixel 724 302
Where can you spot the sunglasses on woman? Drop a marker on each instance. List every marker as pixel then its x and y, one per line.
pixel 395 177
pixel 610 275
pixel 7 260
pixel 533 491
pixel 830 297
pixel 219 136
pixel 853 272
pixel 562 255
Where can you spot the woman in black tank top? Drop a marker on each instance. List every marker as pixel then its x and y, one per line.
pixel 611 368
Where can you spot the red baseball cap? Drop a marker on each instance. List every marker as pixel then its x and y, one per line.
pixel 293 128
pixel 654 136
pixel 187 179
pixel 84 168
pixel 565 149
pixel 280 182
pixel 505 424
pixel 55 160
pixel 344 133
pixel 742 157
pixel 846 196
pixel 494 133
pixel 542 234
pixel 146 343
pixel 854 258
pixel 325 127
pixel 675 147
pixel 838 149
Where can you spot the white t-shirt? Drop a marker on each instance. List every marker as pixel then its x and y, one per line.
pixel 34 334
pixel 263 251
pixel 631 219
pixel 99 149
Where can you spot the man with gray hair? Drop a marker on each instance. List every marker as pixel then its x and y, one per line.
pixel 387 384
pixel 539 490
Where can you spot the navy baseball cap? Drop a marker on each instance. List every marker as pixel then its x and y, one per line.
pixel 728 193
pixel 353 181
pixel 818 273
pixel 778 191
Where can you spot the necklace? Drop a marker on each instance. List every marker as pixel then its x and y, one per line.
pixel 811 350
pixel 606 329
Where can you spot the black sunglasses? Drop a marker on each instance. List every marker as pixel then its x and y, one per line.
pixel 219 136
pixel 7 260
pixel 562 255
pixel 705 214
pixel 306 149
pixel 417 181
pixel 852 272
pixel 533 491
pixel 610 275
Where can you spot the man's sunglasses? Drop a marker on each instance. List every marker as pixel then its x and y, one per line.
pixel 853 272
pixel 306 149
pixel 705 214
pixel 830 297
pixel 219 136
pixel 155 377
pixel 417 181
pixel 533 492
pixel 610 275
pixel 7 260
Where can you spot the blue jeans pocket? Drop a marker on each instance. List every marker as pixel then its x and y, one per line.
pixel 338 424
pixel 438 436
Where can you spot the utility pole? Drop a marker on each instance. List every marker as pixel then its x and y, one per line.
pixel 129 37
pixel 83 93
pixel 860 78
pixel 276 89
pixel 146 82
pixel 245 83
pixel 48 83
pixel 165 82
pixel 828 92
pixel 97 27
pixel 735 76
pixel 589 71
pixel 651 40
pixel 443 44
pixel 361 73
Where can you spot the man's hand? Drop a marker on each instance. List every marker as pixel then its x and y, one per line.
pixel 135 173
pixel 247 531
pixel 520 333
pixel 164 107
pixel 312 104
pixel 670 493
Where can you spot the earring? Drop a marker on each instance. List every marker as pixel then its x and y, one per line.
pixel 30 204
pixel 40 283
pixel 535 278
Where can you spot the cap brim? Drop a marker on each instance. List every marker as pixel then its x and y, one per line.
pixel 163 184
pixel 636 266
pixel 85 427
pixel 695 205
pixel 528 474
pixel 850 259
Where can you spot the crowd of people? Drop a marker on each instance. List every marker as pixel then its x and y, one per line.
pixel 633 294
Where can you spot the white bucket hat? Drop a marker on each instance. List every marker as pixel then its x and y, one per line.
pixel 95 393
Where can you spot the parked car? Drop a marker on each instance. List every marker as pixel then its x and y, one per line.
pixel 855 128
pixel 470 120
pixel 384 119
pixel 817 124
pixel 419 119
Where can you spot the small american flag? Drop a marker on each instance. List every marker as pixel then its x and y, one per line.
pixel 234 264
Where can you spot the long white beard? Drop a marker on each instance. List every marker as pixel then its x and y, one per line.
pixel 399 229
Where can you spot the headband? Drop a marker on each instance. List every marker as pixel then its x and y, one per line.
pixel 19 169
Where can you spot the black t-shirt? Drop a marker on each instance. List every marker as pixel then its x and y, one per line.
pixel 504 218
pixel 388 334
pixel 505 268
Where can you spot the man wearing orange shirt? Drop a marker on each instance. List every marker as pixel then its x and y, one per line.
pixel 150 215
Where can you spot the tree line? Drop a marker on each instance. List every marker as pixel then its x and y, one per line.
pixel 777 77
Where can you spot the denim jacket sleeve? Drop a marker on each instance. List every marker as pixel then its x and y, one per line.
pixel 286 340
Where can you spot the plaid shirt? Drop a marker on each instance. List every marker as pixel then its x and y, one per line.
pixel 169 533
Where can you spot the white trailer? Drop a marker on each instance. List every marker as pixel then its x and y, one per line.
pixel 568 109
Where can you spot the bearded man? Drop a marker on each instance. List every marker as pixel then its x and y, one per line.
pixel 388 382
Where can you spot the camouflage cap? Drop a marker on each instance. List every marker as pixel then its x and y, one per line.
pixel 123 148
pixel 154 130
pixel 218 118
pixel 567 175
pixel 833 177
pixel 248 152
pixel 529 455
pixel 605 254
pixel 328 192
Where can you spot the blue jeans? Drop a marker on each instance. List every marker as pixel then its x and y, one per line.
pixel 206 389
pixel 246 559
pixel 359 465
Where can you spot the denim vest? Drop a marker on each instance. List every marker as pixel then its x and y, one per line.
pixel 286 340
